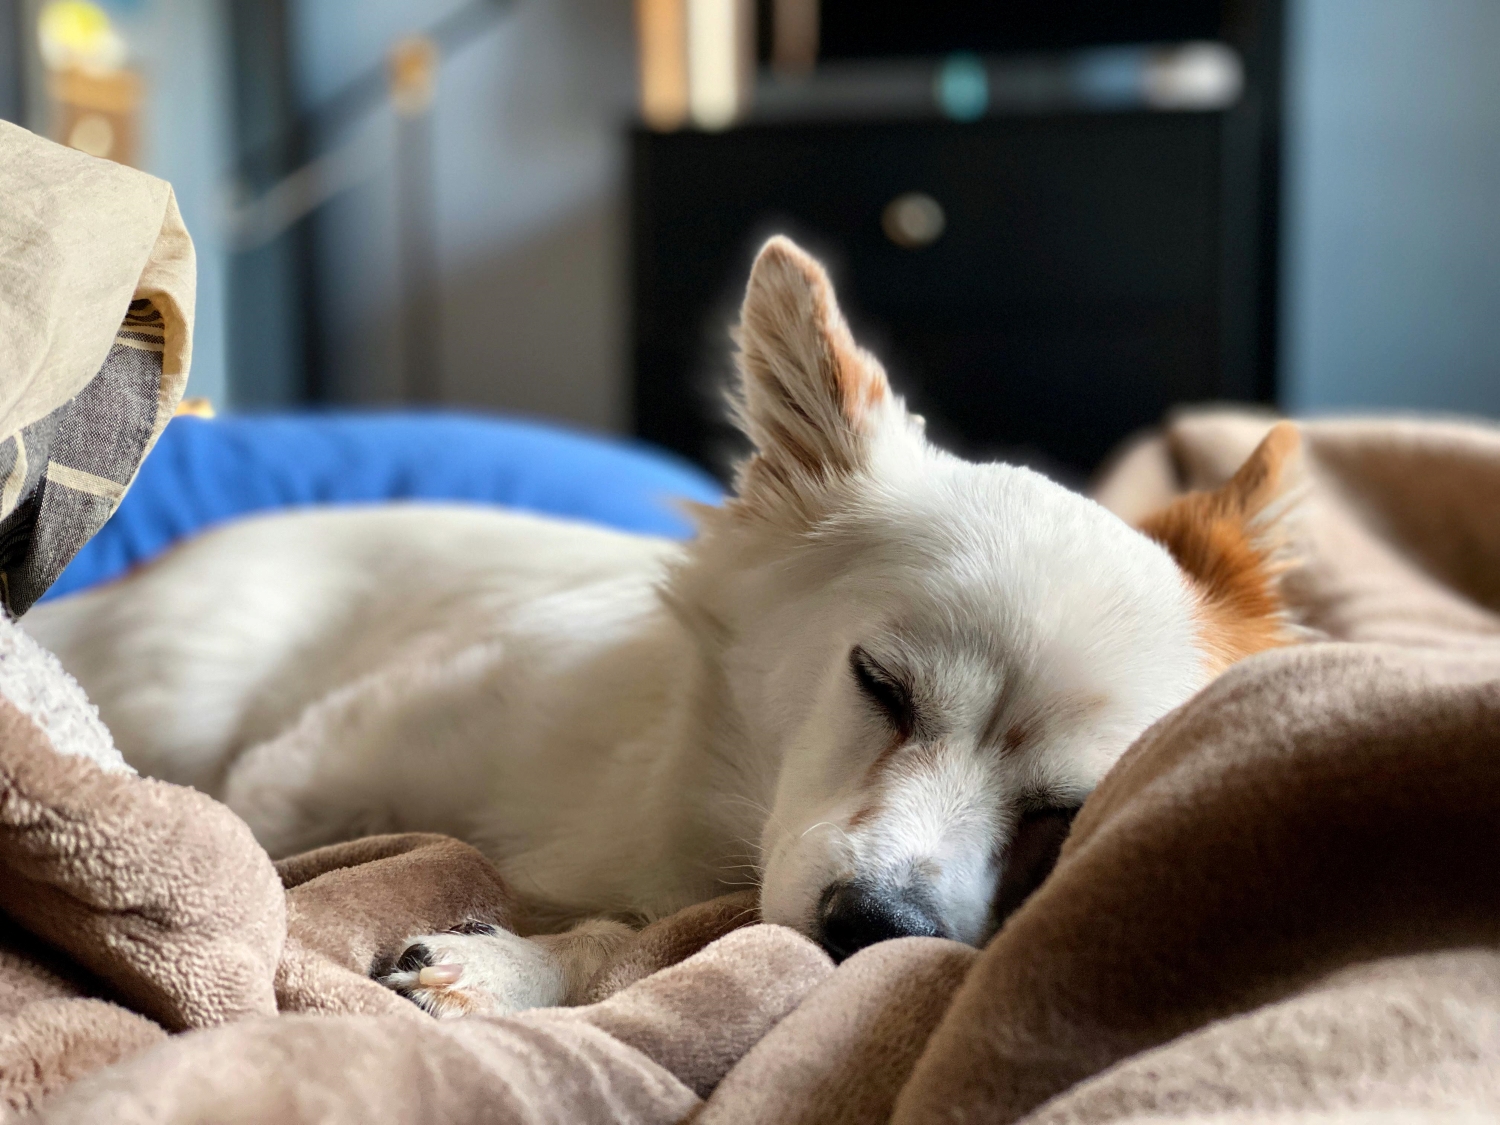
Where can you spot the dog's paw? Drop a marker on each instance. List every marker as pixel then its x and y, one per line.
pixel 477 969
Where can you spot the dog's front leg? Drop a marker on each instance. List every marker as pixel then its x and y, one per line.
pixel 478 968
pixel 398 750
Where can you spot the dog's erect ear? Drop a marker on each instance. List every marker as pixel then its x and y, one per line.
pixel 809 398
pixel 1235 543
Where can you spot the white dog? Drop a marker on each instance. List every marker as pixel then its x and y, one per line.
pixel 876 684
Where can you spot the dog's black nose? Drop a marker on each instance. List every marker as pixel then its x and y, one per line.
pixel 854 915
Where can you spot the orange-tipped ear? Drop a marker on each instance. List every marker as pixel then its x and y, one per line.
pixel 1233 545
pixel 808 395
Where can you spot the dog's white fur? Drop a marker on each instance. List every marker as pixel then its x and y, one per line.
pixel 628 725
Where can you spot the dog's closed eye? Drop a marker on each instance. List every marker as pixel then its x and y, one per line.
pixel 889 693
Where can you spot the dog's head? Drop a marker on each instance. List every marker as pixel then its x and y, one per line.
pixel 936 661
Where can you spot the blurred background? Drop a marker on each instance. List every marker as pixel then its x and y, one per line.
pixel 1053 221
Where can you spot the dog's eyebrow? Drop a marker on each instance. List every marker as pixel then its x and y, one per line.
pixel 1011 732
pixel 1008 730
pixel 1016 735
pixel 1003 727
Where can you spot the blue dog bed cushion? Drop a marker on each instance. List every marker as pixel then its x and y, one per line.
pixel 204 472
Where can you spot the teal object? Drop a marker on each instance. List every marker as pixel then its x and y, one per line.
pixel 963 87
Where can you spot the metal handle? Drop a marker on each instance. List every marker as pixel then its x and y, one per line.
pixel 913 220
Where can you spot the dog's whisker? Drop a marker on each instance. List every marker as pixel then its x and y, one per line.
pixel 749 802
pixel 822 824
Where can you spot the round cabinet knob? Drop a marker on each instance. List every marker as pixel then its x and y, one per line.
pixel 913 220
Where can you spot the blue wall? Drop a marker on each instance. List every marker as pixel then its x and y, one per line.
pixel 528 163
pixel 1392 271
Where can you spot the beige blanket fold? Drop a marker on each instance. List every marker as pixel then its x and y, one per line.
pixel 644 1055
pixel 156 889
pixel 349 905
pixel 118 891
pixel 844 1054
pixel 1410 1039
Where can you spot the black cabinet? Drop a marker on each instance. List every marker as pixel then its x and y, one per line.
pixel 1077 290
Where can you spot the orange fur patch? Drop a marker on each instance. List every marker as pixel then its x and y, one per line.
pixel 1015 736
pixel 862 383
pixel 859 383
pixel 866 811
pixel 1227 546
pixel 809 395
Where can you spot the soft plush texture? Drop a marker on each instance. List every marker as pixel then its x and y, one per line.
pixel 1279 907
pixel 843 1056
pixel 635 1057
pixel 32 681
pixel 204 472
pixel 48 1044
pixel 96 309
pixel 155 888
pixel 1408 1038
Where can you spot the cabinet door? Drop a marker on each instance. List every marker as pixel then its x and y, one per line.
pixel 1073 295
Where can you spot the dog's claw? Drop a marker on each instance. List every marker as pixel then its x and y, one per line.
pixel 436 975
pixel 475 968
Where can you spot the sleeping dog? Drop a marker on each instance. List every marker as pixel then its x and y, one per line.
pixel 875 685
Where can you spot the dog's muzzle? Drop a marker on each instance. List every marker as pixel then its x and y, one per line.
pixel 854 915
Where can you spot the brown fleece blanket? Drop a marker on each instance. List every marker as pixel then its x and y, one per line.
pixel 1282 905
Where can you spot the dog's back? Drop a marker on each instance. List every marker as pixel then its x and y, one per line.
pixel 225 640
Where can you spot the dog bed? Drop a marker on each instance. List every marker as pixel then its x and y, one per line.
pixel 1281 905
